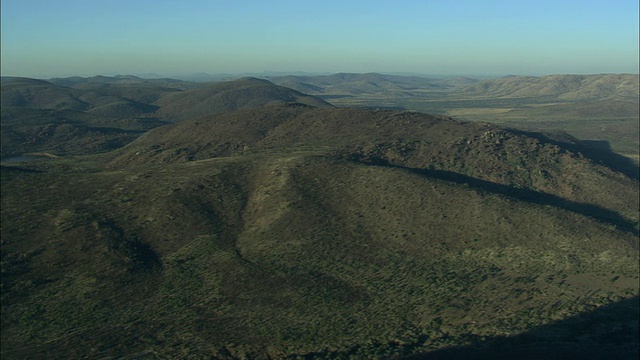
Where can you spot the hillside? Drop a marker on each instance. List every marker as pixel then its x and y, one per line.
pixel 299 255
pixel 286 246
pixel 41 116
pixel 74 116
pixel 217 98
pixel 402 139
pixel 563 87
pixel 40 94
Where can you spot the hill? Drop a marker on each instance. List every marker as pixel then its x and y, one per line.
pixel 20 92
pixel 563 87
pixel 316 232
pixel 40 116
pixel 216 98
pixel 403 139
pixel 88 115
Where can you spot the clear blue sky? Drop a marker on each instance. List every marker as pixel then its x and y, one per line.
pixel 47 38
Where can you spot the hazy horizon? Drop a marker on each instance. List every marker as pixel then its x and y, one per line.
pixel 45 39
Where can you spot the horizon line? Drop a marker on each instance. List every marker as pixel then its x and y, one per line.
pixel 267 73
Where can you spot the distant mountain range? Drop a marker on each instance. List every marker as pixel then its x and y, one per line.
pixel 345 83
pixel 564 87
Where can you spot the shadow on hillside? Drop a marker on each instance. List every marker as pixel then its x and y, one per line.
pixel 601 145
pixel 599 151
pixel 536 197
pixel 523 194
pixel 609 332
pixel 531 196
pixel 12 169
pixel 527 195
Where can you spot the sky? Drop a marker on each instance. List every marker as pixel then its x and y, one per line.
pixel 55 38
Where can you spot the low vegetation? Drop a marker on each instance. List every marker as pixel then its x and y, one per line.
pixel 286 231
